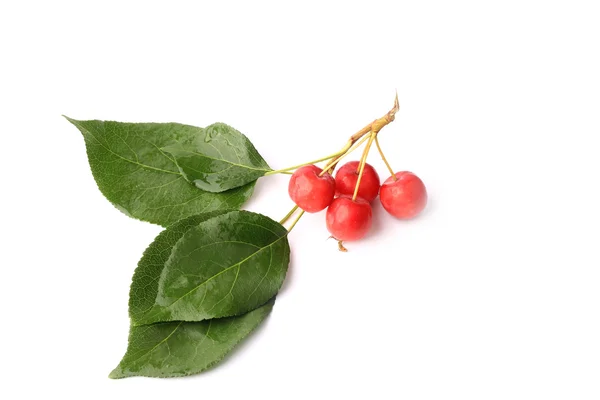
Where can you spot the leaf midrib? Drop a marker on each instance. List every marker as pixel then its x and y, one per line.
pixel 127 159
pixel 216 275
pixel 159 343
pixel 225 161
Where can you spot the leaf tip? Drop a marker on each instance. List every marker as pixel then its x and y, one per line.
pixel 71 120
pixel 116 373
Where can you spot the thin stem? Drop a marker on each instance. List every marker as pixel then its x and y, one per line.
pixel 387 164
pixel 356 145
pixel 288 215
pixel 333 162
pixel 296 221
pixel 280 171
pixel 331 165
pixel 341 153
pixel 363 160
pixel 373 127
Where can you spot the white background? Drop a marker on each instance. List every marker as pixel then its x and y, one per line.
pixel 493 293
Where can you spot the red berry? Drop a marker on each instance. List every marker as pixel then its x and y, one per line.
pixel 346 177
pixel 405 197
pixel 309 191
pixel 349 219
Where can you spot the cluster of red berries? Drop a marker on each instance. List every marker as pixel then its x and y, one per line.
pixel 403 195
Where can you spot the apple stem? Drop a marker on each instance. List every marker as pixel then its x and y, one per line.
pixel 284 170
pixel 363 161
pixel 296 221
pixel 373 127
pixel 387 164
pixel 288 215
pixel 331 166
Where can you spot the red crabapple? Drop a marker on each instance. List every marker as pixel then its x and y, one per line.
pixel 405 197
pixel 349 219
pixel 309 191
pixel 346 177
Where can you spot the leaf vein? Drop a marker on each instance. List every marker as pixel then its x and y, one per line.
pixel 127 159
pixel 239 263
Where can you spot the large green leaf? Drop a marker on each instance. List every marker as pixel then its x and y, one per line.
pixel 142 180
pixel 183 348
pixel 203 268
pixel 219 159
pixel 144 286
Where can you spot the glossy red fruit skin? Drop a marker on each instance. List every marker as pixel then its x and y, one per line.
pixel 346 177
pixel 309 191
pixel 404 198
pixel 349 219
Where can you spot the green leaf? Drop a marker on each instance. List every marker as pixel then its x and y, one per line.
pixel 144 285
pixel 220 159
pixel 142 180
pixel 183 348
pixel 210 267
